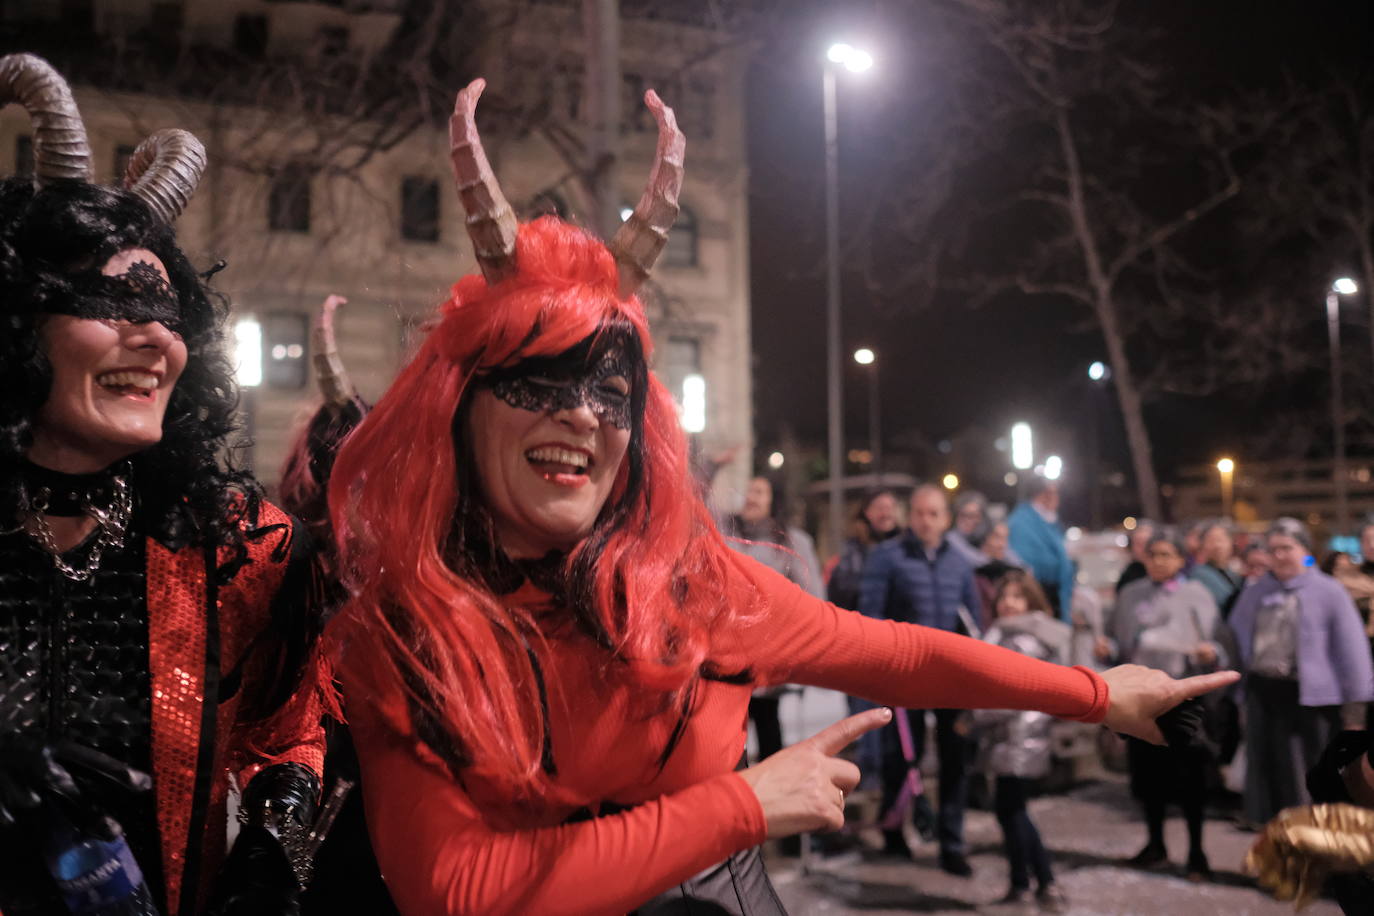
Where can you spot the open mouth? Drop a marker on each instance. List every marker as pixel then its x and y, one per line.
pixel 129 383
pixel 561 465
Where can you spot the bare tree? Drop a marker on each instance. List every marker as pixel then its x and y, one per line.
pixel 1043 179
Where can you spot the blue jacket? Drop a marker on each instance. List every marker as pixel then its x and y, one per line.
pixel 1041 545
pixel 1333 653
pixel 900 583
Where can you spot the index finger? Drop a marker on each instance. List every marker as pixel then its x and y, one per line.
pixel 837 737
pixel 1197 685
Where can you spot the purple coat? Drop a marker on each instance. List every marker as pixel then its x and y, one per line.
pixel 1334 665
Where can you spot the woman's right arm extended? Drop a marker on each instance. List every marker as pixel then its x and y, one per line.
pixel 440 856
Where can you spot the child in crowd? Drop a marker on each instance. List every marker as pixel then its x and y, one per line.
pixel 1015 746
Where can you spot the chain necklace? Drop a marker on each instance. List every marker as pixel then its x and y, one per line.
pixel 113 521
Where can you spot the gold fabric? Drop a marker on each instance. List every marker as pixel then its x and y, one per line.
pixel 1301 846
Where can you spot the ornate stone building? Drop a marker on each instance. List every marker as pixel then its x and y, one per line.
pixel 305 197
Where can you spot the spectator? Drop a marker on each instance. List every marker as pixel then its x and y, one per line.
pixel 1171 623
pixel 878 521
pixel 1255 561
pixel 920 578
pixel 1015 747
pixel 1140 540
pixel 1213 568
pixel 996 563
pixel 761 532
pixel 1039 538
pixel 1307 669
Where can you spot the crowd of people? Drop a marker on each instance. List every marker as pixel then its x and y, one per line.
pixel 1187 602
pixel 502 591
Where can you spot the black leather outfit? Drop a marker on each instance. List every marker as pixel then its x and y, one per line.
pixel 74 665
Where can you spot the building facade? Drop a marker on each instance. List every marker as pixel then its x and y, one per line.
pixel 302 200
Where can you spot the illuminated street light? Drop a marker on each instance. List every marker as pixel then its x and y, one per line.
pixel 694 403
pixel 1022 447
pixel 1343 286
pixel 863 356
pixel 248 352
pixel 1227 468
pixel 851 58
pixel 1129 523
pixel 1054 466
pixel 951 481
pixel 855 60
pixel 776 460
pixel 1098 371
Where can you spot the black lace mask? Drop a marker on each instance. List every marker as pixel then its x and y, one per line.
pixel 596 373
pixel 139 296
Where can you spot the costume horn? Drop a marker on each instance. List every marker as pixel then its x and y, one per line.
pixel 639 242
pixel 165 170
pixel 491 221
pixel 333 378
pixel 60 149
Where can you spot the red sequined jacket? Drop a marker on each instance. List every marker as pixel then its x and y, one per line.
pixel 199 634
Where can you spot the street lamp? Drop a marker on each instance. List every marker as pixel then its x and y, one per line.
pixel 1099 374
pixel 694 403
pixel 951 481
pixel 1227 469
pixel 856 61
pixel 776 460
pixel 1022 447
pixel 866 357
pixel 1054 467
pixel 248 374
pixel 1342 287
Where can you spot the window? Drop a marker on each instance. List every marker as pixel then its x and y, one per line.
pixel 419 209
pixel 23 155
pixel 166 18
pixel 284 342
pixel 288 201
pixel 122 156
pixel 332 41
pixel 78 15
pixel 677 358
pixel 681 250
pixel 250 36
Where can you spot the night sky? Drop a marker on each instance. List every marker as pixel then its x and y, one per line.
pixel 946 366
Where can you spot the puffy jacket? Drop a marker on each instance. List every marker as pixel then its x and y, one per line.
pixel 900 582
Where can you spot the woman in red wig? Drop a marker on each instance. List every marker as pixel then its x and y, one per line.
pixel 550 649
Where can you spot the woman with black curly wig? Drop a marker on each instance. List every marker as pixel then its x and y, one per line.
pixel 149 599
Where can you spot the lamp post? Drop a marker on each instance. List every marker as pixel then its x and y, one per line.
pixel 1227 469
pixel 1342 287
pixel 1099 375
pixel 856 61
pixel 866 357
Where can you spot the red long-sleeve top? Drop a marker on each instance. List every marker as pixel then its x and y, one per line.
pixel 447 849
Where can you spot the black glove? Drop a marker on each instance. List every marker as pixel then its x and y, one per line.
pixel 257 878
pixel 33 773
pixel 1324 780
pixel 1185 728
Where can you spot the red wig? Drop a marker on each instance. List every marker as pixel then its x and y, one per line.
pixel 465 658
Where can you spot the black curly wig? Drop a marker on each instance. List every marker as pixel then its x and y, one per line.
pixel 53 243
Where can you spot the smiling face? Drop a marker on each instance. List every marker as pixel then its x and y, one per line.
pixel 111 381
pixel 548 440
